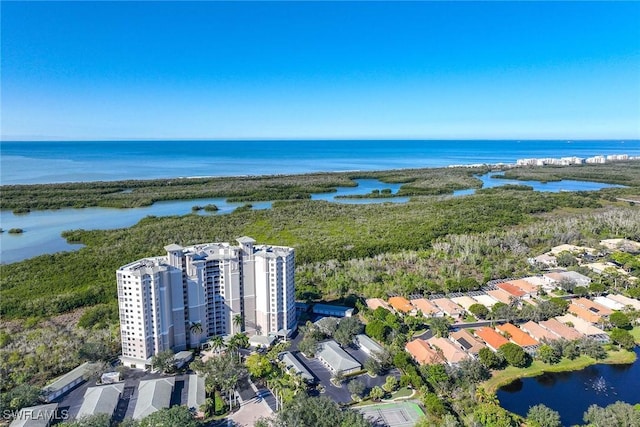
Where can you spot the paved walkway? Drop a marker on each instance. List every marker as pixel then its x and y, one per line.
pixel 249 413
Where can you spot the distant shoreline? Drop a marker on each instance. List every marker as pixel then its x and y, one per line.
pixel 48 162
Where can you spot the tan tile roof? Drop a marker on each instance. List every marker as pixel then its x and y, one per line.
pixel 538 332
pixel 500 295
pixel 561 330
pixel 448 306
pixel 450 351
pixel 518 336
pixel 467 341
pixel 594 307
pixel 374 303
pixel 584 313
pixel 425 306
pixel 421 352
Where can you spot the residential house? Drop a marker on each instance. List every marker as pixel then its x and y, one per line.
pixel 625 300
pixel 153 395
pixel 449 307
pixel 528 288
pixel 421 352
pixel 451 352
pixel 336 359
pixel 426 307
pixel 512 290
pixel 573 249
pixel 464 301
pixel 486 300
pixel 374 303
pixel 101 400
pixel 609 303
pixel 584 327
pixel 538 332
pixel 560 329
pixel 546 260
pixel 467 342
pixel 539 282
pixel 402 305
pixel 593 312
pixel 493 339
pixel 517 335
pixel 556 278
pixel 500 296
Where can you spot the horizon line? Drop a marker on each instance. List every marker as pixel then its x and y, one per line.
pixel 2 139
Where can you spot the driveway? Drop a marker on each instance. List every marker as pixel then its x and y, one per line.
pixel 324 375
pixel 249 413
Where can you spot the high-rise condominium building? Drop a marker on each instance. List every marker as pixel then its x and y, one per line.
pixel 177 301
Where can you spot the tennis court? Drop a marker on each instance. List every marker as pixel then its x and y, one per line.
pixel 404 414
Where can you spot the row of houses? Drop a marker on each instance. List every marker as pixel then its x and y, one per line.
pixel 462 344
pixel 525 289
pixel 458 346
pixel 589 257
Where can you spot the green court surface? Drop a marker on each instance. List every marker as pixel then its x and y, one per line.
pixel 404 414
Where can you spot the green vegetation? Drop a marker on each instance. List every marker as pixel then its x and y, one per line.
pixel 137 193
pixel 542 416
pixel 624 173
pixel 317 411
pixel 619 414
pixel 16 231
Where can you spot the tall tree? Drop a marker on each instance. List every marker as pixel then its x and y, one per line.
pixel 542 416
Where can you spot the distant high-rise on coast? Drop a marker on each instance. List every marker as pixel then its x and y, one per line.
pixel 177 301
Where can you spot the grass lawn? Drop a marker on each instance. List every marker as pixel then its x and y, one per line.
pixel 635 332
pixel 508 375
pixel 403 392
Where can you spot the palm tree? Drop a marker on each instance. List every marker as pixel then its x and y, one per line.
pixel 238 322
pixel 196 329
pixel 217 343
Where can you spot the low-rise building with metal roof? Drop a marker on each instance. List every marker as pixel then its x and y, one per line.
pixel 35 416
pixel 196 394
pixel 368 345
pixel 292 363
pixel 332 310
pixel 67 382
pixel 336 359
pixel 101 400
pixel 153 395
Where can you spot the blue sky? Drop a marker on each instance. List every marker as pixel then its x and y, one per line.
pixel 79 70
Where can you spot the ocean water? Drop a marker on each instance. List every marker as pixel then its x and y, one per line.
pixel 64 161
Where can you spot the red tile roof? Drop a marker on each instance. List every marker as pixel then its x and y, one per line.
pixel 421 352
pixel 491 337
pixel 511 289
pixel 518 336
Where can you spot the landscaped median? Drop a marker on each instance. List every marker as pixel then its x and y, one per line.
pixel 510 374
